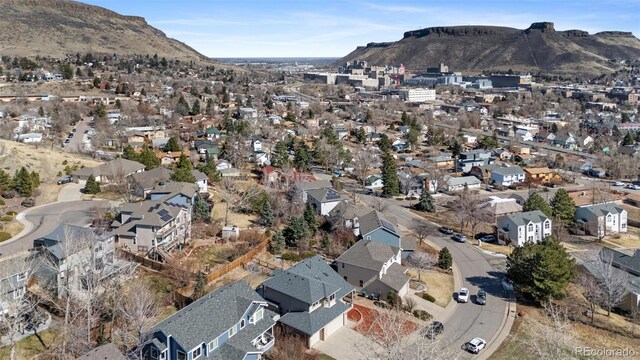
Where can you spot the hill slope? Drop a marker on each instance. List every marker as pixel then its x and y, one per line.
pixel 477 48
pixel 61 27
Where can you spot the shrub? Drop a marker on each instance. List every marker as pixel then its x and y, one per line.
pixel 4 236
pixel 9 194
pixel 1 201
pixel 291 256
pixel 422 315
pixel 428 297
pixel 65 162
pixel 307 254
pixel 6 218
pixel 12 213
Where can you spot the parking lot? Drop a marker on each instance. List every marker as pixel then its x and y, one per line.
pixel 78 142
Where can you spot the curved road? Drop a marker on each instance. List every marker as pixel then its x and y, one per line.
pixel 41 220
pixel 478 270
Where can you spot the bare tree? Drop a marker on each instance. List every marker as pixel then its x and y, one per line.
pixel 421 230
pixel 237 198
pixel 363 163
pixel 551 338
pixel 137 309
pixel 380 204
pixel 612 281
pixel 422 260
pixel 592 292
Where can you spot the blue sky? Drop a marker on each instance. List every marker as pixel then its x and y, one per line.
pixel 314 28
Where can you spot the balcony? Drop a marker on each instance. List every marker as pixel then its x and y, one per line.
pixel 264 342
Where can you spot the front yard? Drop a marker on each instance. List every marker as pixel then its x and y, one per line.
pixel 439 284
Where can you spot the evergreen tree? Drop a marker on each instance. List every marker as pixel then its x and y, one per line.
pixel 541 270
pixel 488 143
pixel 148 158
pixel 628 139
pixel 195 109
pixel 455 147
pixel 277 243
pixel 625 118
pixel 182 107
pixel 426 202
pixel 267 214
pixel 100 111
pixel 384 143
pixel 310 218
pixel 412 137
pixel 280 155
pixel 336 183
pixel 390 181
pixel 295 231
pixel 183 172
pixel 563 207
pixel 325 242
pixel 172 145
pixel 22 182
pixel 129 154
pixel 445 260
pixel 198 288
pixel 201 209
pixel 92 186
pixel 5 180
pixel 536 202
pixel 40 111
pixel 361 135
pixel 35 179
pixel 301 159
pixel 404 118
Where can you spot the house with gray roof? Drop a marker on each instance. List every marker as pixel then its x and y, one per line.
pixel 14 274
pixel 142 183
pixel 230 323
pixel 520 228
pixel 312 299
pixel 507 175
pixel 107 351
pixel 627 265
pixel 453 183
pixel 374 268
pixel 602 219
pixel 306 186
pixel 69 249
pixel 109 172
pixel 324 199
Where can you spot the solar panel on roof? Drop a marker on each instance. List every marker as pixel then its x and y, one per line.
pixel 386 224
pixel 164 215
pixel 332 195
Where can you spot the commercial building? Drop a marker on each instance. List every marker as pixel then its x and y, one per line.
pixel 417 95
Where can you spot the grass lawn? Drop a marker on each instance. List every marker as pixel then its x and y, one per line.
pixel 325 357
pixel 30 347
pixel 500 249
pixel 13 227
pixel 630 239
pixel 439 285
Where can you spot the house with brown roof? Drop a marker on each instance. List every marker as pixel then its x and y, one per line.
pixel 171 157
pixel 540 175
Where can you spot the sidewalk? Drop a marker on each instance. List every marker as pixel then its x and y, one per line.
pixel 505 328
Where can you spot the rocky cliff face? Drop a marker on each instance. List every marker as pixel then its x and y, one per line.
pixel 539 48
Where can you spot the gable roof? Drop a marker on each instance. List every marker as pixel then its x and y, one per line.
pixel 375 220
pixel 462 180
pixel 111 168
pixel 524 218
pixel 625 262
pixel 309 281
pixel 104 352
pixel 538 170
pixel 210 316
pixel 324 195
pixel 151 178
pixel 55 240
pixel 511 170
pixel 603 209
pixel 368 254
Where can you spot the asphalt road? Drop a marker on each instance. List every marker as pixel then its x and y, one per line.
pixel 75 145
pixel 42 220
pixel 478 271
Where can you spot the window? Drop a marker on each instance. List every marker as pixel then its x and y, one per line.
pixel 163 355
pixel 242 323
pixel 196 353
pixel 154 353
pixel 547 224
pixel 213 344
pixel 530 227
pixel 233 331
pixel 345 278
pixel 181 355
pixel 343 265
pixel 257 316
pixel 361 283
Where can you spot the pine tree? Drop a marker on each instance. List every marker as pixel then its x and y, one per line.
pixel 277 243
pixel 295 231
pixel 390 181
pixel 310 218
pixel 536 202
pixel 148 158
pixel 40 111
pixel 361 135
pixel 563 207
pixel 628 139
pixel 426 202
pixel 201 209
pixel 384 143
pixel 5 180
pixel 301 159
pixel 445 260
pixel 182 107
pixel 172 145
pixel 92 186
pixel 404 118
pixel 195 109
pixel 22 183
pixel 198 288
pixel 183 172
pixel 280 155
pixel 35 179
pixel 267 214
pixel 129 154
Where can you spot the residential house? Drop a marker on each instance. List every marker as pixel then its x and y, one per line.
pixel 114 170
pixel 375 226
pixel 410 184
pixel 373 182
pixel 524 135
pixel 347 215
pixel 623 265
pixel 159 224
pixel 207 149
pixel 520 228
pixel 507 176
pixel 108 351
pixel 71 250
pixel 171 157
pixel 212 133
pixel 503 154
pixel 499 206
pixel 453 184
pixel 469 159
pixel 374 268
pixel 311 298
pixel 15 272
pixel 307 186
pixel 540 175
pixel 256 143
pixel 443 162
pixel 143 183
pixel 483 173
pixel 202 180
pixel 565 139
pixel 525 158
pixel 323 200
pixel 597 172
pixel 230 323
pixel 602 219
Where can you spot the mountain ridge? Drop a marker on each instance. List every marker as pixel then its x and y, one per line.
pixel 477 48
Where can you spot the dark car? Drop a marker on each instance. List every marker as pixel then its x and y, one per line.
pixel 481 298
pixel 63 180
pixel 446 230
pixel 434 329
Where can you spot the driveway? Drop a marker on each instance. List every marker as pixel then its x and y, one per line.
pixel 479 271
pixel 41 220
pixel 70 192
pixel 346 343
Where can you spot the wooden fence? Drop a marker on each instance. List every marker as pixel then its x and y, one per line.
pixel 242 260
pixel 146 262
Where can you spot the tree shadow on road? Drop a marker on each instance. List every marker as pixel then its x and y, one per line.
pixel 492 284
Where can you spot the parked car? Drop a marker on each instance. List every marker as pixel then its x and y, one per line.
pixel 434 329
pixel 633 187
pixel 463 295
pixel 459 238
pixel 481 298
pixel 63 180
pixel 617 183
pixel 476 344
pixel 488 238
pixel 74 130
pixel 446 230
pixel 67 141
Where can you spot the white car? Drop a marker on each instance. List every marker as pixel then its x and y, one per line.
pixel 463 295
pixel 618 183
pixel 476 344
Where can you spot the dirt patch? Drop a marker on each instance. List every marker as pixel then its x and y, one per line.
pixel 13 227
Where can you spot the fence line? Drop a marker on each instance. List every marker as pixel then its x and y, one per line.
pixel 242 260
